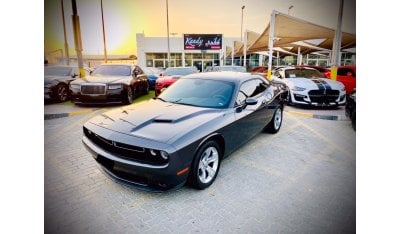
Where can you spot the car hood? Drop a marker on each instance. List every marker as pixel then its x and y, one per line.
pixel 51 79
pixel 104 79
pixel 156 120
pixel 317 83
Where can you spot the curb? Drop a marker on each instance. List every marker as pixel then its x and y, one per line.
pixel 63 115
pixel 315 116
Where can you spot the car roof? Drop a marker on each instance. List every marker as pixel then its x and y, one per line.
pixel 235 77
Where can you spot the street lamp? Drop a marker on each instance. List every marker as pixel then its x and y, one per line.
pixel 168 55
pixel 291 6
pixel 241 26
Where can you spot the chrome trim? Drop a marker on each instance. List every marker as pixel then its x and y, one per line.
pixel 94 84
pixel 95 150
pixel 103 139
pixel 115 144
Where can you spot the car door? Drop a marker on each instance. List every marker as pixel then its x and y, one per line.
pixel 250 119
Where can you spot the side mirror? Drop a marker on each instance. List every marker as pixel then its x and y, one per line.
pixel 74 75
pixel 251 101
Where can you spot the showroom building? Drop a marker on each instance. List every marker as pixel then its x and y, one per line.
pixel 152 51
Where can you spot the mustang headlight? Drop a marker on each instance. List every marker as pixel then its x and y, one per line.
pixel 115 86
pixel 75 86
pixel 296 88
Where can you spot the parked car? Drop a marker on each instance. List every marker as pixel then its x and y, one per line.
pixel 170 75
pixel 152 74
pixel 56 82
pixel 229 68
pixel 351 108
pixel 324 71
pixel 110 83
pixel 184 133
pixel 309 87
pixel 347 75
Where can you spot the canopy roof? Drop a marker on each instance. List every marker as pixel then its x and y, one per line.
pixel 289 29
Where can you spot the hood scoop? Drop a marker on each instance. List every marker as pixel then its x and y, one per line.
pixel 162 121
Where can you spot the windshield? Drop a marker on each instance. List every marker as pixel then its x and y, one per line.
pixel 231 68
pixel 200 92
pixel 303 73
pixel 178 71
pixel 113 70
pixel 57 71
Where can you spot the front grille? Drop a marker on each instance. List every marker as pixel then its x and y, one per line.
pixel 124 151
pixel 323 92
pixel 323 96
pixel 93 89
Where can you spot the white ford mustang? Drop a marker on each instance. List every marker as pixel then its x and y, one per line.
pixel 309 87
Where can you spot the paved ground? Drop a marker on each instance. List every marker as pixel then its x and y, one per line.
pixel 302 179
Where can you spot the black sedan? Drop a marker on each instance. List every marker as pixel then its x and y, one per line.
pixel 110 83
pixel 56 82
pixel 183 134
pixel 350 109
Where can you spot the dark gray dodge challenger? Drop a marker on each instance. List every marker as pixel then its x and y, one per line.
pixel 182 135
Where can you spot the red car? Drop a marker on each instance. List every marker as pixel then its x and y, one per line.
pixel 347 75
pixel 170 76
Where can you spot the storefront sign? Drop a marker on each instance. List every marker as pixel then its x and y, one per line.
pixel 202 41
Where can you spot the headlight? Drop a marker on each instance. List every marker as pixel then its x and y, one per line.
pixel 164 155
pixel 115 86
pixel 159 153
pixel 48 84
pixel 296 88
pixel 75 86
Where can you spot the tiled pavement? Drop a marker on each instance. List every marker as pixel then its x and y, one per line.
pixel 302 179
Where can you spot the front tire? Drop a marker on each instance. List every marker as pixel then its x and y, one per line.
pixel 205 165
pixel 275 124
pixel 129 96
pixel 61 93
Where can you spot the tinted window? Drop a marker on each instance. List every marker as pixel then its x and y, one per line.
pixel 200 92
pixel 344 71
pixel 250 88
pixel 303 73
pixel 112 70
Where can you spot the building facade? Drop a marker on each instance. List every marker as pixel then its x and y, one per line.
pixel 153 52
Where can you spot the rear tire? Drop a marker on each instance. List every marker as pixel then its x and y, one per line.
pixel 205 165
pixel 276 122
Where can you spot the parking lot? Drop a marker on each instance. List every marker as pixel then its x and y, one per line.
pixel 302 179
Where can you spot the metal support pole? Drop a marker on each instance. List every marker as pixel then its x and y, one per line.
pixel 183 59
pixel 337 44
pixel 277 57
pixel 245 48
pixel 77 38
pixel 233 53
pixel 65 34
pixel 104 32
pixel 168 55
pixel 298 55
pixel 271 43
